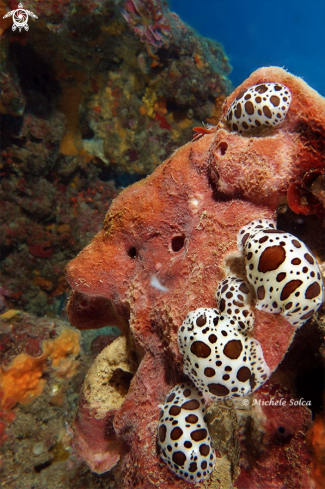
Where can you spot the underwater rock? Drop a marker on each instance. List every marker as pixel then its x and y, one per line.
pixel 180 226
pixel 272 434
pixel 271 158
pixel 316 439
pixel 29 346
pixel 96 95
pixel 103 393
pixel 41 373
pixel 36 355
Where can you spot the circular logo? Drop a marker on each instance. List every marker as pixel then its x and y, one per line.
pixel 20 19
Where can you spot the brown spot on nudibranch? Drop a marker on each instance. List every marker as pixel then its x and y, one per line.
pixel 238 111
pixel 307 315
pixel 271 258
pixel 243 288
pixel 162 433
pixel 171 397
pixel 289 288
pixel 243 374
pixel 204 449
pixel 296 243
pixel 313 290
pixel 201 320
pixel 218 390
pixel 249 107
pixel 239 96
pixel 176 433
pixel 199 435
pixel 233 349
pixel 261 292
pixel 209 372
pixel 179 458
pixel 281 276
pixel 245 238
pixel 191 405
pixel 200 349
pixel 275 100
pixel 261 88
pixel 212 338
pixel 309 258
pixel 193 467
pixel 191 418
pixel 267 112
pixel 262 240
pixel 174 410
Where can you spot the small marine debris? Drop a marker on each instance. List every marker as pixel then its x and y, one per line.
pixel 154 282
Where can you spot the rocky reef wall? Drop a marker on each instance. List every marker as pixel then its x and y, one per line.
pixel 93 97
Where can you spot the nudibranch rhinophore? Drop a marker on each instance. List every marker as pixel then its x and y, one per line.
pixel 183 435
pixel 266 104
pixel 282 270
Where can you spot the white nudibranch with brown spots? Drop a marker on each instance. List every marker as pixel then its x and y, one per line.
pixel 252 228
pixel 220 359
pixel 183 435
pixel 266 104
pixel 282 270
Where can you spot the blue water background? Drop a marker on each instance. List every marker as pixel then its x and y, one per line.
pixel 256 33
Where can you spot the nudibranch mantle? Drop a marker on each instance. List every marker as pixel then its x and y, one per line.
pixel 266 104
pixel 183 435
pixel 282 270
